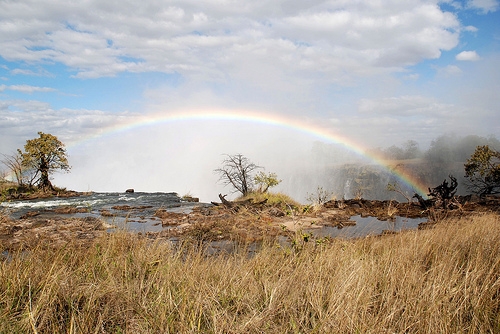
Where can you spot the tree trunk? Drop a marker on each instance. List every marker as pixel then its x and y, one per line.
pixel 44 183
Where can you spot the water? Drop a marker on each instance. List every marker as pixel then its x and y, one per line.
pixel 368 226
pixel 141 216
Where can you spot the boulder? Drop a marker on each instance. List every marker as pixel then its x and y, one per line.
pixel 190 199
pixel 131 190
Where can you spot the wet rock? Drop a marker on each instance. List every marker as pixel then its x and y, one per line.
pixel 68 193
pixel 191 199
pixel 70 210
pixel 346 223
pixel 106 213
pixel 30 214
pixel 129 208
pixel 130 190
pixel 171 218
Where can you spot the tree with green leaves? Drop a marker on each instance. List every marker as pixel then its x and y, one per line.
pixel 43 156
pixel 266 181
pixel 482 170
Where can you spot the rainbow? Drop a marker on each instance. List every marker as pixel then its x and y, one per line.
pixel 307 127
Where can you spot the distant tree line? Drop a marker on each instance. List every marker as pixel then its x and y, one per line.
pixel 451 155
pixel 409 150
pixel 344 174
pixel 444 149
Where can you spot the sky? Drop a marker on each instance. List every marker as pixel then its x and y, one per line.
pixel 97 74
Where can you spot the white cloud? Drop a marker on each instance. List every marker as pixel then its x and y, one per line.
pixel 412 76
pixel 406 106
pixel 467 56
pixel 19 118
pixel 26 88
pixel 449 70
pixel 22 72
pixel 471 29
pixel 484 6
pixel 209 42
pixel 278 54
pixel 38 72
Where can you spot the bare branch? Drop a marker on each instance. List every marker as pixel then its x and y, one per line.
pixel 237 171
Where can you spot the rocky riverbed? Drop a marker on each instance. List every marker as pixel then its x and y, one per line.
pixel 211 223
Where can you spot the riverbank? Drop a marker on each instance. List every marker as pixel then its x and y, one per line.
pixel 166 216
pixel 446 278
pixel 10 191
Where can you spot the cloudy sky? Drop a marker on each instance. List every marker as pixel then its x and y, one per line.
pixel 378 72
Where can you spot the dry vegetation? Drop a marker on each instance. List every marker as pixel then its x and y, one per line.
pixel 441 280
pixel 272 199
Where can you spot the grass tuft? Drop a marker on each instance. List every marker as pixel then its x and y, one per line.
pixel 280 200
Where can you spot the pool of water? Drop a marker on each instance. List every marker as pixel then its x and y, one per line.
pixel 367 226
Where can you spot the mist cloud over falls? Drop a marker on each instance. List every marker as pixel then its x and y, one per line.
pixel 181 156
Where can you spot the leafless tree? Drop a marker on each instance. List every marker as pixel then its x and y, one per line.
pixel 14 164
pixel 396 187
pixel 445 192
pixel 237 171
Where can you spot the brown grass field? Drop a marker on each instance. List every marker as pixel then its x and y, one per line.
pixel 442 280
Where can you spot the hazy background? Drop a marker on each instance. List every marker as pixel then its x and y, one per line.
pixel 378 72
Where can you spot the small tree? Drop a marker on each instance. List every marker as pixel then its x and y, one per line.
pixel 320 197
pixel 43 156
pixel 266 181
pixel 14 164
pixel 396 187
pixel 237 171
pixel 444 193
pixel 3 176
pixel 482 170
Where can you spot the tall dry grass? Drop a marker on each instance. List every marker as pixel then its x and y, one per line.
pixel 444 280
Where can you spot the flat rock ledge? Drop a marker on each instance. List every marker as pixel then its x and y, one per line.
pixel 28 233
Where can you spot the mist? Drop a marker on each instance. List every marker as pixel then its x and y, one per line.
pixel 181 157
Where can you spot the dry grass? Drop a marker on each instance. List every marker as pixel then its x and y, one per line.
pixel 443 280
pixel 273 199
pixel 391 210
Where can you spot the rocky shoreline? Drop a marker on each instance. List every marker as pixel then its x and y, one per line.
pixel 16 195
pixel 247 224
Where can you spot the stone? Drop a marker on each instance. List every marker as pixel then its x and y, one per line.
pixel 190 199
